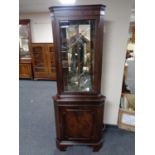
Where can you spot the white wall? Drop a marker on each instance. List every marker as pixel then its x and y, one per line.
pixel 117 19
pixel 41 28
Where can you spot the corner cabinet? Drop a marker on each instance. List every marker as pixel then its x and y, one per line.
pixel 79 106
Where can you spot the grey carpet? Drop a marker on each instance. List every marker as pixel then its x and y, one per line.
pixel 37 126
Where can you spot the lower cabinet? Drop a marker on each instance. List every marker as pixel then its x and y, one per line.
pixel 25 69
pixel 43 55
pixel 79 123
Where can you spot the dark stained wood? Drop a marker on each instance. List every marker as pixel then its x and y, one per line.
pixel 79 115
pixel 79 123
pixel 44 61
pixel 72 13
pixel 24 21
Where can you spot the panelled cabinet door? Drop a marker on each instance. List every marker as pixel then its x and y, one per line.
pixel 80 123
pixel 40 63
pixel 44 61
pixel 52 63
pixel 25 70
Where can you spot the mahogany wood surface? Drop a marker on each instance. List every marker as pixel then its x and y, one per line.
pixel 79 115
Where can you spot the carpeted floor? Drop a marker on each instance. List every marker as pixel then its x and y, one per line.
pixel 37 125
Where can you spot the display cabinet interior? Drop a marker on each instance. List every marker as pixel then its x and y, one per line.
pixel 77 50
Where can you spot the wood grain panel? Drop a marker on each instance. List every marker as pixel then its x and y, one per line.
pixel 25 70
pixel 78 124
pixel 44 61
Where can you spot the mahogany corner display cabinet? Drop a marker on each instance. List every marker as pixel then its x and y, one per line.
pixel 79 105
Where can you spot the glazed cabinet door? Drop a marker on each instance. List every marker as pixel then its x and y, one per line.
pixel 77 50
pixel 25 60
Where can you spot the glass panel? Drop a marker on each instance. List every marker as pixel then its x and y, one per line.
pixel 24 41
pixel 77 54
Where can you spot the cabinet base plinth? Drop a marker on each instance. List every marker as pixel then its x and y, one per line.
pixel 62 145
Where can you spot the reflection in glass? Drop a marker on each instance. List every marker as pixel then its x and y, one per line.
pixel 77 52
pixel 24 41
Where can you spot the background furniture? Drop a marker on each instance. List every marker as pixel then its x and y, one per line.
pixel 44 61
pixel 78 38
pixel 25 69
pixel 25 60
